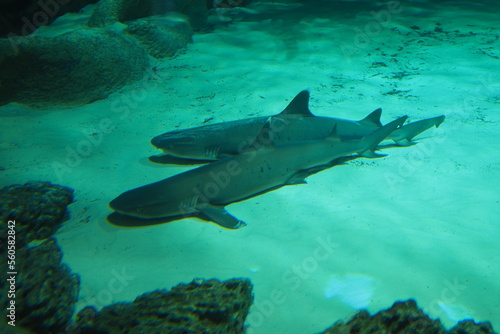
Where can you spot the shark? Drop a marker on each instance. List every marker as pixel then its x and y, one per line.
pixel 217 141
pixel 267 164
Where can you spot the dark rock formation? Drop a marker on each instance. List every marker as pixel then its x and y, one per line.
pixel 37 207
pixel 161 36
pixel 403 317
pixel 75 68
pixel 7 329
pixel 470 327
pixel 46 291
pixel 83 66
pixel 23 17
pixel 202 306
pixel 108 12
pixel 195 10
pixel 214 4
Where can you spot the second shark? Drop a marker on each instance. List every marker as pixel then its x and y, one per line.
pixel 221 140
pixel 264 166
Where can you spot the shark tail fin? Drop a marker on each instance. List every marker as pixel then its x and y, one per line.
pixel 405 134
pixel 372 140
pixel 373 118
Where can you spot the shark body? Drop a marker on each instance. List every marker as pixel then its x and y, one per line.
pixel 218 141
pixel 266 165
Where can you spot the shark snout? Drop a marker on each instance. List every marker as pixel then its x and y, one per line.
pixel 172 142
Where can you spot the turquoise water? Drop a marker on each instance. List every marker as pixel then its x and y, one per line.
pixel 420 223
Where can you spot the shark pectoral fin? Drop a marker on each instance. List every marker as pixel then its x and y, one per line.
pixel 220 216
pixel 372 155
pixel 404 142
pixel 298 178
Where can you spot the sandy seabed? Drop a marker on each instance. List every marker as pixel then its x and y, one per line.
pixel 420 223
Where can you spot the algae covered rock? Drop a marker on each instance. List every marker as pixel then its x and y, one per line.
pixel 227 3
pixel 74 68
pixel 108 12
pixel 403 317
pixel 37 208
pixel 161 36
pixel 470 327
pixel 45 289
pixel 23 17
pixel 202 306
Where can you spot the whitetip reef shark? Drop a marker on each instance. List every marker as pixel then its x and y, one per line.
pixel 221 140
pixel 265 165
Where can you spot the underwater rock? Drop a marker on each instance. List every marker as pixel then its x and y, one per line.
pixel 404 317
pixel 22 18
pixel 195 10
pixel 470 327
pixel 8 329
pixel 46 290
pixel 108 12
pixel 74 68
pixel 214 4
pixel 202 306
pixel 37 208
pixel 161 36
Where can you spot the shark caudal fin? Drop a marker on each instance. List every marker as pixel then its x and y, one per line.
pixel 372 119
pixel 404 135
pixel 372 140
pixel 299 106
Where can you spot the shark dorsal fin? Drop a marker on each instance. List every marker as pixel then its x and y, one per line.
pixel 265 137
pixel 299 106
pixel 373 118
pixel 334 135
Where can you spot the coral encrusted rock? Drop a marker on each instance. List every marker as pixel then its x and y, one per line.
pixel 45 289
pixel 201 307
pixel 75 68
pixel 23 17
pixel 37 208
pixel 108 12
pixel 403 317
pixel 161 36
